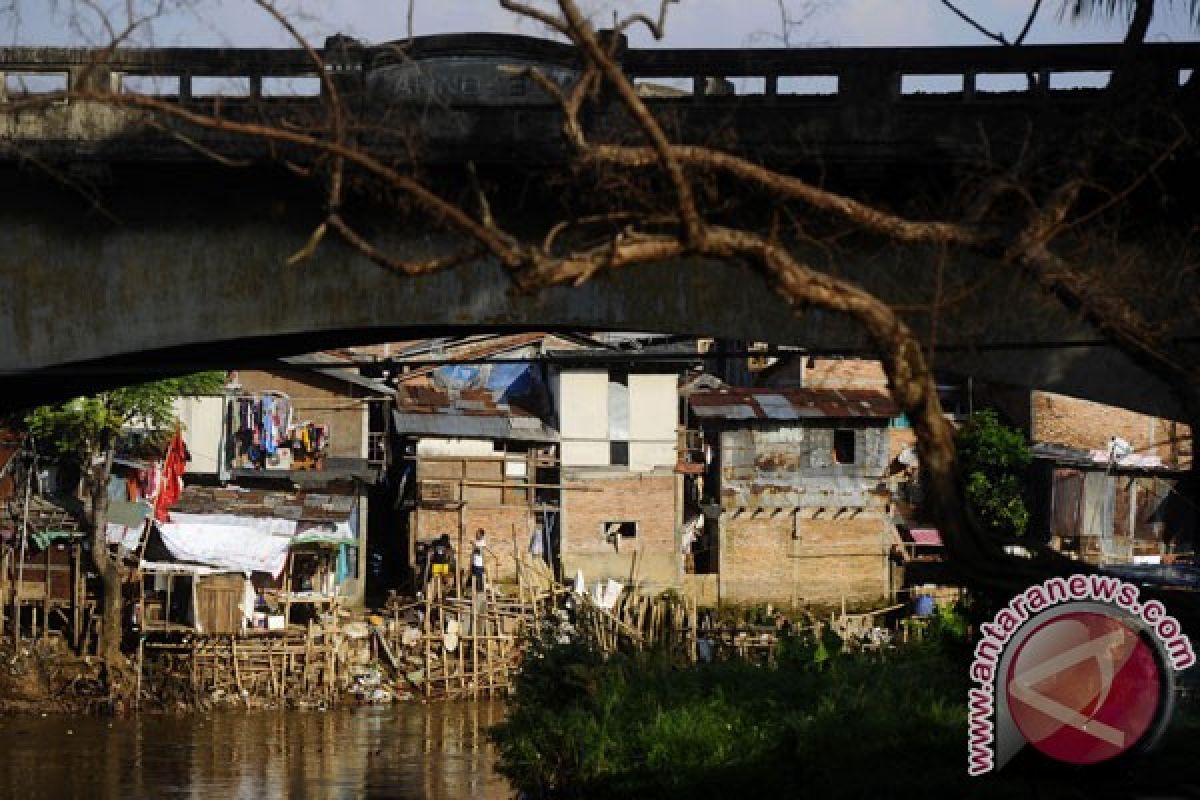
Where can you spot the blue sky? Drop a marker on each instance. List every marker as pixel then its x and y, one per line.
pixel 693 23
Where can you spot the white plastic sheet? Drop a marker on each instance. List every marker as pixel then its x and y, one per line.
pixel 129 537
pixel 243 544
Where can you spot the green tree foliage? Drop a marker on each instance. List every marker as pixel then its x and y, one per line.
pixel 994 459
pixel 84 427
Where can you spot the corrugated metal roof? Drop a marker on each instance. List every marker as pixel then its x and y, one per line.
pixel 247 502
pixel 1065 455
pixel 339 369
pixel 472 426
pixel 791 404
pixel 466 402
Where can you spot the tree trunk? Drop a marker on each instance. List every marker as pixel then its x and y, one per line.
pixel 109 569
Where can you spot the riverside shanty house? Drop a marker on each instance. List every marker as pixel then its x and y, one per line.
pixel 562 452
pixel 231 558
pixel 471 461
pixel 312 428
pixel 622 498
pixel 44 578
pixel 1110 505
pixel 475 448
pixel 792 486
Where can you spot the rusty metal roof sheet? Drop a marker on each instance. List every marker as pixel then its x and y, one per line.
pixel 247 502
pixel 467 402
pixel 473 426
pixel 791 404
pixel 470 414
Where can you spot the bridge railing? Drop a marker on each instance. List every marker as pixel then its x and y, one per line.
pixel 913 85
pixel 180 74
pixel 879 75
pixel 889 75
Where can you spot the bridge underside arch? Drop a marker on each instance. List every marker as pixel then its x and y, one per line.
pixel 182 274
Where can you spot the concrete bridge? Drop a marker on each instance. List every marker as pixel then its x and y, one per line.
pixel 124 244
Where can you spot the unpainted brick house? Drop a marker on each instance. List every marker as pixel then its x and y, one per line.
pixel 621 494
pixel 477 448
pixel 795 505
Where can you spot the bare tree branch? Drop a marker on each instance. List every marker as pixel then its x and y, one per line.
pixel 967 18
pixel 582 34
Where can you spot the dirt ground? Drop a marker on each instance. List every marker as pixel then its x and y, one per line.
pixel 45 677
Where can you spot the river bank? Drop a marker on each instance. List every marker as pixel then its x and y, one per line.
pixel 815 722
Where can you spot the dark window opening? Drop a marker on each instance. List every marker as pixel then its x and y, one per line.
pixel 843 447
pixel 618 454
pixel 614 532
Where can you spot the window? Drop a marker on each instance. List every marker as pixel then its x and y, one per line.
pixel 618 417
pixel 843 446
pixel 617 531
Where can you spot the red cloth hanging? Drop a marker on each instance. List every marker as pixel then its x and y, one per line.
pixel 172 477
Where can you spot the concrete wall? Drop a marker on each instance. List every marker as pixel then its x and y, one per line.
pixel 653 419
pixel 782 559
pixel 787 465
pixel 581 401
pixel 194 271
pixel 647 498
pixel 203 423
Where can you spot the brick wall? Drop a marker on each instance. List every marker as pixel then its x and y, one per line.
pixel 318 399
pixel 1081 423
pixel 645 498
pixel 846 373
pixel 832 559
pixel 502 524
pixel 827 373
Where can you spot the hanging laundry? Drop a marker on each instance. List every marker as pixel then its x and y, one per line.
pixel 268 424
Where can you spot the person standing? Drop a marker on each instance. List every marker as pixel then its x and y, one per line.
pixel 440 558
pixel 477 569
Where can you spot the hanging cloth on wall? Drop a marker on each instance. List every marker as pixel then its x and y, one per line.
pixel 268 424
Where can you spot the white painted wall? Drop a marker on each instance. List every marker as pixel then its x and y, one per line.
pixel 653 409
pixel 202 419
pixel 583 400
pixel 456 447
pixel 582 404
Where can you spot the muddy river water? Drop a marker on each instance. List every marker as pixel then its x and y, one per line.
pixel 435 752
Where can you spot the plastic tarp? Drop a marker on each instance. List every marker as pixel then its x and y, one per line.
pixel 227 541
pixel 126 521
pixel 44 539
pixel 127 536
pixel 518 383
pixel 247 544
pixel 459 376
